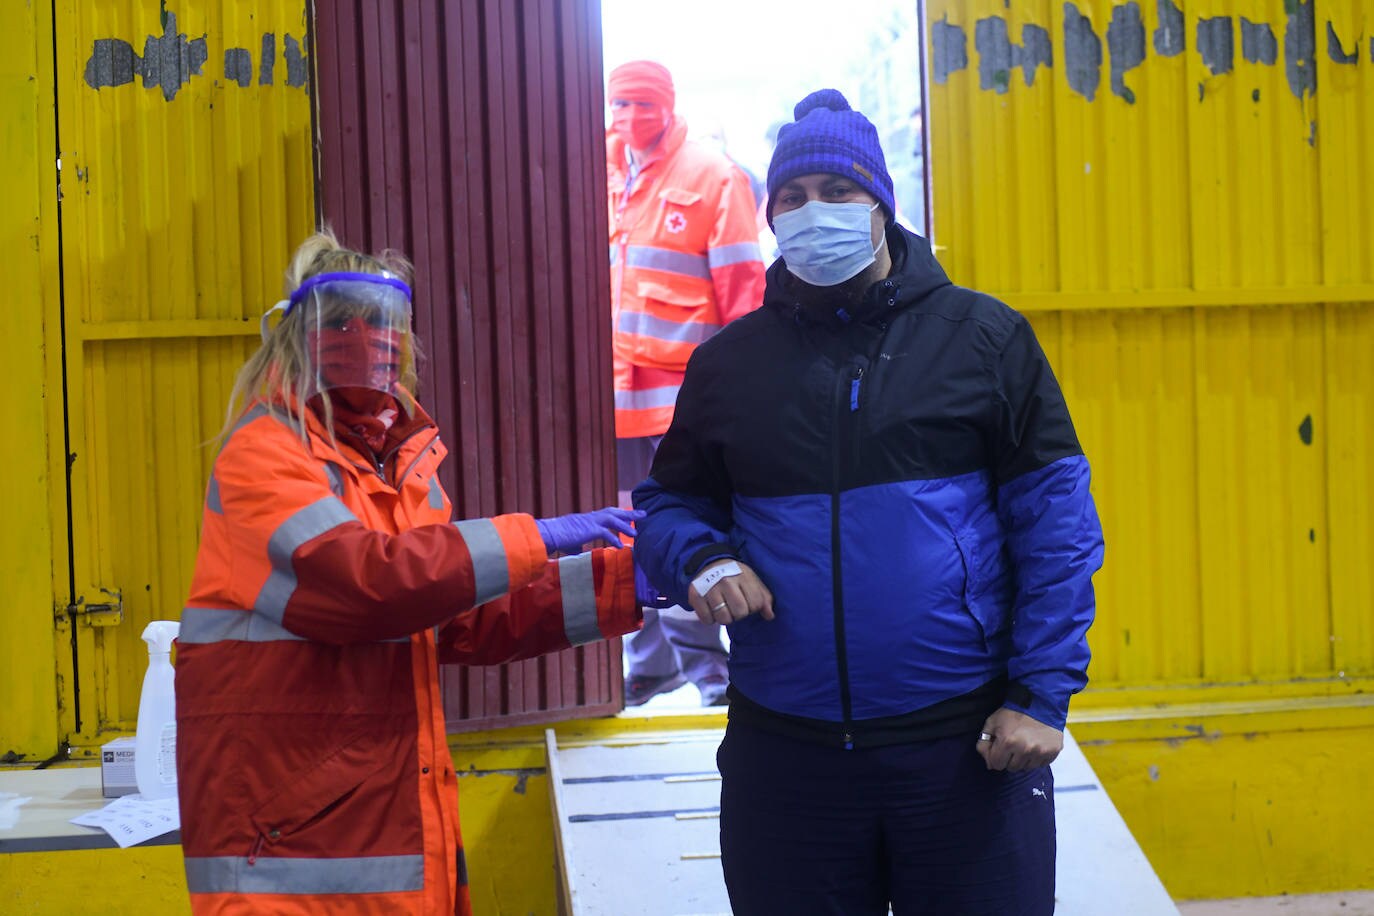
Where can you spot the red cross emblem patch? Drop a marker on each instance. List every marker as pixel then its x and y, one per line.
pixel 675 222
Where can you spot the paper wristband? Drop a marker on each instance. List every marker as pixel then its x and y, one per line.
pixel 703 582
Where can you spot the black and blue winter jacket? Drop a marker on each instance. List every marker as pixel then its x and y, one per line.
pixel 905 478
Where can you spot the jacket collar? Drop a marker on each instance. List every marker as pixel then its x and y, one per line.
pixel 331 448
pixel 915 274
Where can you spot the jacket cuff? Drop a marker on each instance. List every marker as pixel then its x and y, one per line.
pixel 708 554
pixel 525 550
pixel 618 611
pixel 1021 699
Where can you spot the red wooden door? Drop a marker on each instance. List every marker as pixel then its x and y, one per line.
pixel 469 136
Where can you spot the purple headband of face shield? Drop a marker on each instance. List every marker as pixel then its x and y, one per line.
pixel 352 276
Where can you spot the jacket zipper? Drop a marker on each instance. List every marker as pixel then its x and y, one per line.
pixel 377 465
pixel 845 420
pixel 847 423
pixel 624 244
pixel 624 231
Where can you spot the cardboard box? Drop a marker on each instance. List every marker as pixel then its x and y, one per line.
pixel 117 768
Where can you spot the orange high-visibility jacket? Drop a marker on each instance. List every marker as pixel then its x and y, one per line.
pixel 684 261
pixel 314 774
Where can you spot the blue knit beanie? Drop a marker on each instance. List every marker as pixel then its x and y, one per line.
pixel 829 136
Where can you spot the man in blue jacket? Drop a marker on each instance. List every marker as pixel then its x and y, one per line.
pixel 874 481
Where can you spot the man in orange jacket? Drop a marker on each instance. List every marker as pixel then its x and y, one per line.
pixel 330 584
pixel 684 262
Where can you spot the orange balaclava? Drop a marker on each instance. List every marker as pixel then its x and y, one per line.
pixel 651 86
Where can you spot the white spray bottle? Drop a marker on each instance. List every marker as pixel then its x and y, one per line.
pixel 155 742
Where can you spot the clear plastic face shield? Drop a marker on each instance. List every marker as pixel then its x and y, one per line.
pixel 357 331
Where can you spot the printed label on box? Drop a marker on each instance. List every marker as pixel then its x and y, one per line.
pixel 117 768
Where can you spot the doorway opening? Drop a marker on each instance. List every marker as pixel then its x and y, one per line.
pixel 738 69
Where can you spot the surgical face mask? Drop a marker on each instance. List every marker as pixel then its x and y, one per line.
pixel 357 331
pixel 639 126
pixel 826 244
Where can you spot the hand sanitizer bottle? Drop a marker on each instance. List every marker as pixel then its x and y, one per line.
pixel 155 742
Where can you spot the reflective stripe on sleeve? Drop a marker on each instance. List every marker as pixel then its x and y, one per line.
pixel 490 570
pixel 737 253
pixel 306 525
pixel 267 875
pixel 668 261
pixel 578 586
pixel 436 495
pixel 647 398
pixel 212 502
pixel 644 325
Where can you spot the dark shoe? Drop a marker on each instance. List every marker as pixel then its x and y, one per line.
pixel 713 692
pixel 640 689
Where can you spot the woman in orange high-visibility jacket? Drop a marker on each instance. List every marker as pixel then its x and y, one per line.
pixel 314 774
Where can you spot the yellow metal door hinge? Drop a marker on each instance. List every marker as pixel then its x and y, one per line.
pixel 106 609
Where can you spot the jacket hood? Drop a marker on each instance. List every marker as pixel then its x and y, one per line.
pixel 915 275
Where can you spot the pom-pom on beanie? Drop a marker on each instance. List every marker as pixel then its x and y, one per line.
pixel 829 136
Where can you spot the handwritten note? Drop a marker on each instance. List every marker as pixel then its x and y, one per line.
pixel 132 819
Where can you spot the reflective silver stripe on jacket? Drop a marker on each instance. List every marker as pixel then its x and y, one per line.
pixel 668 261
pixel 737 253
pixel 641 324
pixel 212 502
pixel 270 875
pixel 309 523
pixel 260 410
pixel 436 495
pixel 336 480
pixel 208 624
pixel 201 625
pixel 578 585
pixel 646 398
pixel 491 572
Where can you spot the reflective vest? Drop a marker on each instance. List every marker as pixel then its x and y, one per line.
pixel 314 773
pixel 684 261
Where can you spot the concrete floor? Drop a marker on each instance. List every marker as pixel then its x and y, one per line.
pixel 1351 903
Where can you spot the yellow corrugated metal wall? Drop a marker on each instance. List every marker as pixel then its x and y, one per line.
pixel 186 180
pixel 1178 194
pixel 33 501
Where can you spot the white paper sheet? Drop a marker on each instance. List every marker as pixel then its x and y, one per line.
pixel 132 819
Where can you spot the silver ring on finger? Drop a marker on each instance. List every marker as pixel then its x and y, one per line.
pixel 719 607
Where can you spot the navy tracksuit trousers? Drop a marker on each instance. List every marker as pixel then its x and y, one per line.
pixel 926 827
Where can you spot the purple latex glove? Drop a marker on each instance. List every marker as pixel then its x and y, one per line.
pixel 567 533
pixel 646 594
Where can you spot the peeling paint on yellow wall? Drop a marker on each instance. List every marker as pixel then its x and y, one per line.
pixel 1082 54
